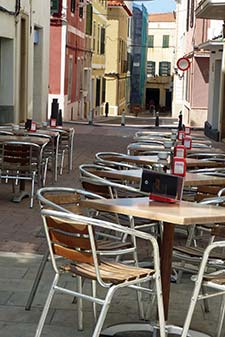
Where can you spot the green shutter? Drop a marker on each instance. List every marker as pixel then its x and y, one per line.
pixel 54 6
pixel 150 41
pixel 89 14
pixel 166 41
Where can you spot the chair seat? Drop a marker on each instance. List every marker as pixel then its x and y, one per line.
pixel 218 278
pixel 112 245
pixel 110 271
pixel 196 252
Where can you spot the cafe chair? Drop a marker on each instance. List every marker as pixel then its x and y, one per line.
pixel 213 282
pixel 92 181
pixel 205 155
pixel 68 200
pixel 72 237
pixel 113 159
pixel 188 256
pixel 137 148
pixel 22 161
pixel 66 144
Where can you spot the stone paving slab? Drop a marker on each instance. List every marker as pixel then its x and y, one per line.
pixel 21 228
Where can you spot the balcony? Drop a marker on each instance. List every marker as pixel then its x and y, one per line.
pixel 211 9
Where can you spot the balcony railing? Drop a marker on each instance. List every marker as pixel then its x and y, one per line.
pixel 211 9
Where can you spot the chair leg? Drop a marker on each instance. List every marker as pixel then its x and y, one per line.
pixel 37 280
pixel 32 190
pixel 94 303
pixel 62 162
pixel 46 306
pixel 221 317
pixel 103 312
pixel 80 304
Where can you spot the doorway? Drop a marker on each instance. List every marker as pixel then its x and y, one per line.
pixel 23 71
pixel 152 94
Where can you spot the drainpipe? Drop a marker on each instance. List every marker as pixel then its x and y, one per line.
pixel 222 91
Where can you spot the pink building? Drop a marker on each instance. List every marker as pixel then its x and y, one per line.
pixel 68 55
pixel 197 77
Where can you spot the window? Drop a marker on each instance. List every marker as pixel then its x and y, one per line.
pixel 151 68
pixel 164 68
pixel 150 41
pixel 98 84
pixel 54 7
pixel 192 14
pixel 99 38
pixel 103 89
pixel 94 36
pixel 166 39
pixel 81 12
pixel 102 47
pixel 72 6
pixel 70 77
pixel 89 14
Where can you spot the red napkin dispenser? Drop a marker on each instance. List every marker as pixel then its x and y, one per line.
pixel 53 122
pixel 181 135
pixel 33 127
pixel 187 142
pixel 187 130
pixel 179 167
pixel 180 151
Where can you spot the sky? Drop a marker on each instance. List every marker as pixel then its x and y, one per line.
pixel 159 6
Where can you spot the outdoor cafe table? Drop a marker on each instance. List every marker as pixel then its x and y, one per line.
pixel 150 160
pixel 190 180
pixel 143 147
pixel 171 214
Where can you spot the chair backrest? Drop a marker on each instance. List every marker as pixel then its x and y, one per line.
pixel 112 159
pixel 3 132
pixel 89 174
pixel 22 156
pixel 68 239
pixel 64 198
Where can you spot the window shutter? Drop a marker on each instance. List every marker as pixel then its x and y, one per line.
pixel 102 49
pixel 150 41
pixel 166 41
pixel 89 15
pixel 54 7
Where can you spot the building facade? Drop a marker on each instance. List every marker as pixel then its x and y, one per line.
pixel 117 75
pixel 160 60
pixel 214 44
pixel 24 55
pixel 139 55
pixel 98 85
pixel 69 71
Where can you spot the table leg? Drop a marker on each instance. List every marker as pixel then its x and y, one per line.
pixel 166 252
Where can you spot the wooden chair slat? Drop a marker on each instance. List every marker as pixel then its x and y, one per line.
pixel 63 199
pixel 72 254
pixel 69 241
pixel 67 227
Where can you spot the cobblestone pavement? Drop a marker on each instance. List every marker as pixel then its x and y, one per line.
pixel 21 245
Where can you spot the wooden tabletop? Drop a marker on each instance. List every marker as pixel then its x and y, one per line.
pixel 37 140
pixel 150 160
pixel 183 213
pixel 190 180
pixel 148 147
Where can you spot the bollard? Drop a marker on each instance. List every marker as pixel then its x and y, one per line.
pixel 90 117
pixel 157 119
pixel 123 116
pixel 180 121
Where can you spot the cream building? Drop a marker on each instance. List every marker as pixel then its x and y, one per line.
pixel 24 50
pixel 116 69
pixel 160 59
pixel 98 85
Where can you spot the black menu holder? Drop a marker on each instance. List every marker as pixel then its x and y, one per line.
pixel 161 186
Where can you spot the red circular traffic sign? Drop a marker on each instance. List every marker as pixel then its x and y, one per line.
pixel 183 63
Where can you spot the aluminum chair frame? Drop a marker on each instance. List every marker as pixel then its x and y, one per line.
pixel 32 168
pixel 112 288
pixel 44 202
pixel 214 262
pixel 109 162
pixel 199 282
pixel 142 147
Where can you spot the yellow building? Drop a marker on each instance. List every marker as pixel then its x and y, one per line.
pixel 98 57
pixel 160 60
pixel 116 67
